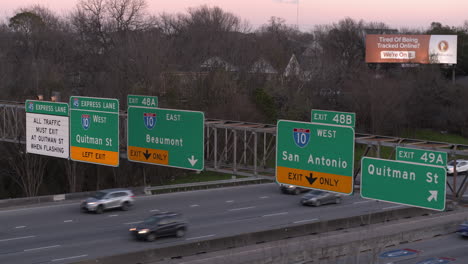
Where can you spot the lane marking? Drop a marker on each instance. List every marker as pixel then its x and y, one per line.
pixel 15 238
pixel 194 205
pixel 113 215
pixel 35 249
pixel 361 202
pixel 242 208
pixel 74 257
pixel 306 220
pixel 264 197
pixel 230 201
pixel 68 221
pixel 154 210
pixel 192 238
pixel 131 223
pixel 282 213
pixel 20 227
pixel 392 207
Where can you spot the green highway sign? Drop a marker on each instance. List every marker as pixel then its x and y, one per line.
pixel 421 156
pixel 173 138
pixel 316 156
pixel 94 130
pixel 415 184
pixel 333 118
pixel 142 100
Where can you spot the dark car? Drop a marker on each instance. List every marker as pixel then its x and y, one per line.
pixel 160 225
pixel 108 199
pixel 291 189
pixel 317 198
pixel 463 229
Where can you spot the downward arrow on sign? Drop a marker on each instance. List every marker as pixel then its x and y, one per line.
pixel 146 154
pixel 311 179
pixel 192 160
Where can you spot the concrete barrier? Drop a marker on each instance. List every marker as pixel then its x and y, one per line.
pixel 283 234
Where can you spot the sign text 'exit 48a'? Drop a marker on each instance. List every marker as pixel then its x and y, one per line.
pixel 316 156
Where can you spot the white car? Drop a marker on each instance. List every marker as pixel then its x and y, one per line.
pixel 462 166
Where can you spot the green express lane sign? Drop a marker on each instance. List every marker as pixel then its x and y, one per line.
pixel 173 138
pixel 315 156
pixel 420 185
pixel 94 130
pixel 432 157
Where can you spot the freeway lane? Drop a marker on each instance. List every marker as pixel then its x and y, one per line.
pixel 61 234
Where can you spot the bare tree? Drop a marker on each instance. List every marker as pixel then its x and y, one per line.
pixel 126 15
pixel 29 170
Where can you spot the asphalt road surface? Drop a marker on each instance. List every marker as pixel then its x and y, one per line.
pixel 60 233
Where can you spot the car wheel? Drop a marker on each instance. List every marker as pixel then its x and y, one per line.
pixel 125 206
pixel 317 203
pixel 100 209
pixel 338 200
pixel 151 237
pixel 297 191
pixel 180 232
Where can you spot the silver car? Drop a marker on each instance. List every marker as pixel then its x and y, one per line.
pixel 317 198
pixel 108 199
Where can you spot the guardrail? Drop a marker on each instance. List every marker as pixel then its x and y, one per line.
pixel 165 254
pixel 206 185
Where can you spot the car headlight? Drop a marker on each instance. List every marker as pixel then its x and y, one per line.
pixel 143 231
pixel 92 203
pixel 132 229
pixel 313 199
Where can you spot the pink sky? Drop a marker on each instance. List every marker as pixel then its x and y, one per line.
pixel 395 13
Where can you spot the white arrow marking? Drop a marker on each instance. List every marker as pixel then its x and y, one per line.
pixel 192 160
pixel 433 196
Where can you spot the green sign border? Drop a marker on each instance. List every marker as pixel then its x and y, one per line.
pixel 163 109
pixel 321 124
pixel 98 111
pixel 413 163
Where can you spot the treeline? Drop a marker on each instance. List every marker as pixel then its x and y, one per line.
pixel 211 60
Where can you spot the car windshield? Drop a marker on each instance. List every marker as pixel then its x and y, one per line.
pixel 99 195
pixel 315 192
pixel 152 220
pixel 459 163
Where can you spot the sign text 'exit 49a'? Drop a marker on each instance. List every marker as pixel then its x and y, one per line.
pixel 315 156
pixel 173 138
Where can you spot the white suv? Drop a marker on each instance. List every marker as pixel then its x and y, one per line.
pixel 108 199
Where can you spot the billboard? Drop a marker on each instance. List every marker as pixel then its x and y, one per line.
pixel 423 49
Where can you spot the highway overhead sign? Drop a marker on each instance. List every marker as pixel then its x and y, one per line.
pixel 333 118
pixel 173 138
pixel 415 184
pixel 47 131
pixel 315 156
pixel 94 130
pixel 422 156
pixel 142 100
